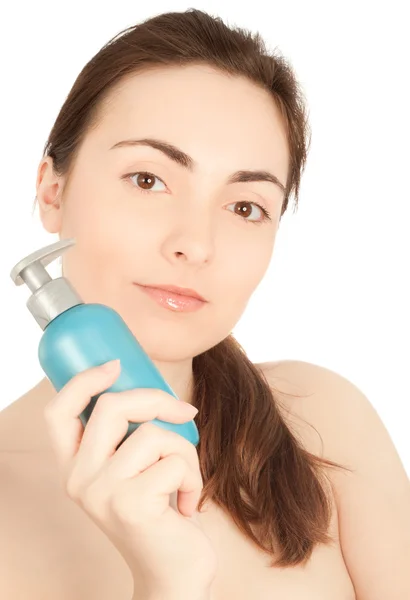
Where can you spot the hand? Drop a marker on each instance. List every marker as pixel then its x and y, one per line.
pixel 126 492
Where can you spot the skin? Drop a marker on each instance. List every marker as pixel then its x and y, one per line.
pixel 187 227
pixel 196 241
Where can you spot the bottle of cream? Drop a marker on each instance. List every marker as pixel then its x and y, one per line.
pixel 78 336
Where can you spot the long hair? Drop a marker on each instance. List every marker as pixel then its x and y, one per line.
pixel 252 465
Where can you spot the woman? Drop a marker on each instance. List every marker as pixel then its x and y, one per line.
pixel 171 162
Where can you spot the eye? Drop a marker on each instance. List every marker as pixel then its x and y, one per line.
pixel 243 212
pixel 145 181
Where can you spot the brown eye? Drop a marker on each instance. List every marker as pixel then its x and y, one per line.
pixel 246 208
pixel 146 181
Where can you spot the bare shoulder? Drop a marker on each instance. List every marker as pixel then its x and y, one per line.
pixel 373 495
pixel 308 390
pixel 296 387
pixel 333 417
pixel 321 406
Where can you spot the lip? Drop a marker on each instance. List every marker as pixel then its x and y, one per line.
pixel 176 290
pixel 171 300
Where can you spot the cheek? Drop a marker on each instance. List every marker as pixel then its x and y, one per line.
pixel 246 268
pixel 108 229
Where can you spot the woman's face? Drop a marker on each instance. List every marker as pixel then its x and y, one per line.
pixel 186 225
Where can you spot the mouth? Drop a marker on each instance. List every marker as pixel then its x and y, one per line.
pixel 173 289
pixel 171 300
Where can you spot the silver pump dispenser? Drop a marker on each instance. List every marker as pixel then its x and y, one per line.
pixel 50 296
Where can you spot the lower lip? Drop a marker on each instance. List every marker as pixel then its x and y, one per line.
pixel 173 301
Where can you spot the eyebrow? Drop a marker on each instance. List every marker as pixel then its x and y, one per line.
pixel 186 161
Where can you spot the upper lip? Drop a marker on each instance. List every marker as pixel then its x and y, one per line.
pixel 177 290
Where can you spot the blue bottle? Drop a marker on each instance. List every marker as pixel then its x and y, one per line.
pixel 78 336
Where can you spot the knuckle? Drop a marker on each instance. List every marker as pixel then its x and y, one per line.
pixel 119 508
pixel 156 434
pixel 129 508
pixel 93 499
pixel 72 488
pixel 90 497
pixel 105 402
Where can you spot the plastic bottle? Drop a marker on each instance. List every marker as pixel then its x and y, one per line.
pixel 78 336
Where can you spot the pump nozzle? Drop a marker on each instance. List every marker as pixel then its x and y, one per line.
pixel 50 296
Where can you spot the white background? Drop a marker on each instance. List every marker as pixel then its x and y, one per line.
pixel 337 291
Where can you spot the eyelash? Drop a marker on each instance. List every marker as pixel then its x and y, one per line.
pixel 267 216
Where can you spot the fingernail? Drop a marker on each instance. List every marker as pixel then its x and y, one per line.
pixel 111 366
pixel 194 411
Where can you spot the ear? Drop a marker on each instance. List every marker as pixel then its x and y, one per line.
pixel 49 188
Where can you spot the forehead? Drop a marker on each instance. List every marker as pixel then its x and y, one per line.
pixel 197 107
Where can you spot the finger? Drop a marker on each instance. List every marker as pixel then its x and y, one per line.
pixel 108 423
pixel 147 495
pixel 61 413
pixel 144 448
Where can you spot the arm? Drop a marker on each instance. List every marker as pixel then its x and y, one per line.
pixel 374 500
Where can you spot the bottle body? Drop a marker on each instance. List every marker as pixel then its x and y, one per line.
pixel 88 335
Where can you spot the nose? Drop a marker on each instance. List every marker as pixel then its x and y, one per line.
pixel 192 238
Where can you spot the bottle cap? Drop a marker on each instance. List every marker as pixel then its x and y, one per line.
pixel 50 297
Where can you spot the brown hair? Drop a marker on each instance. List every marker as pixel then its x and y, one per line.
pixel 252 465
